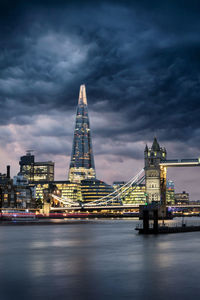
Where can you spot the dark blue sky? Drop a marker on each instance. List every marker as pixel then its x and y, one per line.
pixel 140 61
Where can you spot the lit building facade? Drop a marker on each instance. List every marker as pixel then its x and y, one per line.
pixel 44 171
pixel 36 171
pixel 94 189
pixel 24 198
pixel 65 189
pixel 182 198
pixel 15 193
pixel 170 194
pixel 82 160
pixel 69 190
pixel 133 195
pixel 27 166
pixel 86 191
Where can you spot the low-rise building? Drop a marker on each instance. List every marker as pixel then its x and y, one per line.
pixel 182 198
pixel 24 192
pixel 15 193
pixel 170 193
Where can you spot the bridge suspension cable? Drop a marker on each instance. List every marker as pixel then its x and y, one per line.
pixel 122 190
pixel 131 181
pixel 65 200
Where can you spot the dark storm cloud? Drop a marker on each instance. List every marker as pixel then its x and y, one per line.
pixel 140 61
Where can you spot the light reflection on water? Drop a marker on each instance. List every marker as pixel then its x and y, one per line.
pixel 54 243
pixel 103 259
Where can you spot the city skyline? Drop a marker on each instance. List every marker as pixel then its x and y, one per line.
pixel 140 65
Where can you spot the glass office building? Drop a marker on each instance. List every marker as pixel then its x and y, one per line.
pixel 86 191
pixel 44 171
pixel 27 166
pixel 94 189
pixel 36 171
pixel 82 160
pixel 170 192
pixel 132 195
pixel 182 198
pixel 65 189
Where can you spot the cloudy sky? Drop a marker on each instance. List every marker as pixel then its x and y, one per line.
pixel 140 61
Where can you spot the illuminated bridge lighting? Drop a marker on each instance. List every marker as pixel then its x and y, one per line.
pixel 107 200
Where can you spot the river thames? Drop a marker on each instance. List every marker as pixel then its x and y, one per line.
pixel 100 259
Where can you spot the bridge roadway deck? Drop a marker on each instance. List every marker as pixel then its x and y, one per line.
pixel 116 207
pixel 99 207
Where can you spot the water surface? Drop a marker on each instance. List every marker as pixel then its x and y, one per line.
pixel 104 259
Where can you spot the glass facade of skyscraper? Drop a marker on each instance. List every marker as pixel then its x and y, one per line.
pixel 94 189
pixel 82 160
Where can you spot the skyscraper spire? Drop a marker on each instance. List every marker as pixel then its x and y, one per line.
pixel 82 95
pixel 82 160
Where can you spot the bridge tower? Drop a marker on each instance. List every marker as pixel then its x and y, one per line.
pixel 154 173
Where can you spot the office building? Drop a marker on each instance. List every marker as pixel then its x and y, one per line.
pixel 15 193
pixel 170 194
pixel 87 190
pixel 94 189
pixel 182 198
pixel 131 195
pixel 65 189
pixel 82 160
pixel 36 171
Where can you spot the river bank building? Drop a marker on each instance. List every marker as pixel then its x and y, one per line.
pixel 36 171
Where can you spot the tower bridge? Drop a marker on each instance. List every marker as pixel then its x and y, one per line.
pixel 156 164
pixel 110 200
pixel 82 168
pixel 124 207
pixel 154 174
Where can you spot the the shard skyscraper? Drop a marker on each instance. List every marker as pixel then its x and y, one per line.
pixel 82 160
